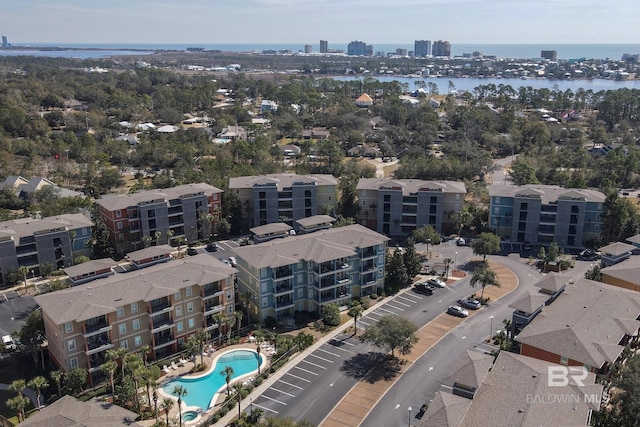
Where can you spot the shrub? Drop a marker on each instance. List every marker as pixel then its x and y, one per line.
pixel 331 314
pixel 373 296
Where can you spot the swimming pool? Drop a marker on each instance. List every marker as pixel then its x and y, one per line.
pixel 200 390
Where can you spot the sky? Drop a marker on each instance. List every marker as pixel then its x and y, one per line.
pixel 308 21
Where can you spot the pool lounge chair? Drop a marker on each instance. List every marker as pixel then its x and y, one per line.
pixel 166 369
pixel 173 365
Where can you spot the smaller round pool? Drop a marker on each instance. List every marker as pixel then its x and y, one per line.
pixel 189 416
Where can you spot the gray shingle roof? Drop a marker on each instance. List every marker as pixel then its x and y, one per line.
pixel 617 249
pixel 626 270
pixel 104 296
pixel 548 193
pixel 90 267
pixel 471 368
pixel 445 410
pixel 71 412
pixel 282 180
pixel 27 226
pixel 119 201
pixel 275 227
pixel 529 302
pixel 585 323
pixel 319 247
pixel 310 221
pixel 553 282
pixel 411 185
pixel 150 252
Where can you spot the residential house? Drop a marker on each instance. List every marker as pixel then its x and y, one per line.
pixel 24 188
pixel 541 214
pixel 159 306
pixel 190 212
pixel 289 149
pixel 364 101
pixel 147 257
pixel 589 324
pixel 34 243
pixel 516 391
pixel 399 206
pixel 314 223
pixel 267 106
pixel 304 272
pixel 90 270
pixel 233 133
pixel 282 197
pixel 319 133
pixel 264 233
pixel 363 150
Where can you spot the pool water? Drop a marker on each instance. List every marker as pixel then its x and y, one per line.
pixel 189 416
pixel 201 390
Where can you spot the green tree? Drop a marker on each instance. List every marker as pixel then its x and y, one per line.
pixel 523 173
pixel 180 392
pixel 427 234
pixel 330 314
pixel 483 276
pixel 397 274
pixel 109 368
pixel 24 271
pixel 411 261
pixel 18 403
pixel 76 379
pixel 485 244
pixel 392 332
pixel 57 377
pixel 355 312
pixel 38 383
pixel 348 205
pixel 227 373
pixel 166 407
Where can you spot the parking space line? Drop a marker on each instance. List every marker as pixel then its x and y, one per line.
pixel 362 322
pixel 328 352
pixel 291 385
pixel 280 391
pixel 313 364
pixel 275 400
pixel 297 377
pixel 265 408
pixel 340 348
pixel 383 309
pixel 374 313
pixel 395 301
pixel 394 307
pixel 406 298
pixel 305 370
pixel 321 358
pixel 346 342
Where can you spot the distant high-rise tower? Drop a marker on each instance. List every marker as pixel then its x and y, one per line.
pixel 307 48
pixel 441 48
pixel 422 48
pixel 359 48
pixel 551 55
pixel 324 46
pixel 5 43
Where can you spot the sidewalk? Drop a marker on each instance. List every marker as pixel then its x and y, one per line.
pixel 356 405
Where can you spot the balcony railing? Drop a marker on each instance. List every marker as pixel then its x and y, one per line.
pixel 160 307
pixel 284 303
pixel 280 273
pixel 93 327
pixel 104 347
pixel 368 253
pixel 287 287
pixel 211 291
pixel 161 324
pixel 212 309
pixel 163 341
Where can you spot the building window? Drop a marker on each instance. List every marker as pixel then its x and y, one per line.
pixel 179 327
pixel 71 345
pixel 300 293
pixel 230 309
pixel 136 324
pixel 134 307
pixel 496 199
pixel 564 360
pixel 137 341
pixel 189 291
pixel 122 328
pixel 120 311
pixel 151 213
pixel 73 362
pixel 191 323
pixel 124 344
pixel 118 214
pixel 119 225
pixel 68 327
pixel 189 307
pixel 178 310
pixel 177 295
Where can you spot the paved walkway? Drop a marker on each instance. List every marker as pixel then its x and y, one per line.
pixel 356 405
pixel 27 392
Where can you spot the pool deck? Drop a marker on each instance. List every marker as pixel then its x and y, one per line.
pixel 182 370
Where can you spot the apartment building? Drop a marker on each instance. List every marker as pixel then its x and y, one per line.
pixel 159 306
pixel 189 211
pixel 422 48
pixel 546 213
pixel 301 273
pixel 34 243
pixel 441 48
pixel 398 206
pixel 271 198
pixel 359 48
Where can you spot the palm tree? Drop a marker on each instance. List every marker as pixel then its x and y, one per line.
pixel 146 240
pixel 24 270
pixel 219 319
pixel 201 337
pixel 483 276
pixel 57 376
pixel 38 383
pixel 145 350
pixel 109 368
pixel 117 355
pixel 238 387
pixel 157 236
pixel 179 391
pixel 228 375
pixel 169 235
pixel 229 322
pixel 18 385
pixel 355 312
pixel 19 402
pixel 166 407
pixel 238 316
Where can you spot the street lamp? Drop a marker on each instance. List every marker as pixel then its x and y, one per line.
pixel 490 330
pixel 455 261
pixel 428 241
pixel 409 416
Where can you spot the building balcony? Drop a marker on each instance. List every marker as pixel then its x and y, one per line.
pixel 165 307
pixel 213 309
pixel 212 291
pixel 282 273
pixel 95 329
pixel 284 303
pixel 104 347
pixel 163 341
pixel 282 288
pixel 162 325
pixel 368 267
pixel 369 253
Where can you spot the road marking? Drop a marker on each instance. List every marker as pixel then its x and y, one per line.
pixel 280 391
pixel 377 314
pixel 340 348
pixel 382 309
pixel 344 341
pixel 295 376
pixel 321 358
pixel 304 370
pixel 446 386
pixel 431 368
pixel 395 301
pixel 313 364
pixel 406 299
pixel 275 400
pixel 362 322
pixel 291 385
pixel 394 307
pixel 397 406
pixel 265 408
pixel 328 352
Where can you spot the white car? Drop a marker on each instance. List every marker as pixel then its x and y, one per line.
pixel 233 261
pixel 456 310
pixel 8 342
pixel 437 283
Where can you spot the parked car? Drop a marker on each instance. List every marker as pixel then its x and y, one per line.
pixel 233 261
pixel 423 288
pixel 461 242
pixel 8 342
pixel 473 304
pixel 192 251
pixel 588 255
pixel 212 247
pixel 226 261
pixel 456 310
pixel 435 282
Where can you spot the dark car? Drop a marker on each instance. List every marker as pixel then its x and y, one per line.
pixel 423 288
pixel 526 246
pixel 192 251
pixel 212 247
pixel 473 304
pixel 458 311
pixel 588 255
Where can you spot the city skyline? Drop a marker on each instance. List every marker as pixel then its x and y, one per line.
pixel 284 21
